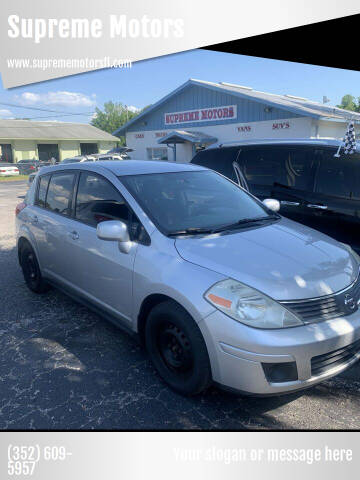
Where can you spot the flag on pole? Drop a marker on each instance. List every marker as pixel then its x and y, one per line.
pixel 349 141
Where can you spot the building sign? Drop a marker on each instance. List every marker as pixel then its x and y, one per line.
pixel 244 129
pixel 280 125
pixel 202 115
pixel 160 134
pixel 139 135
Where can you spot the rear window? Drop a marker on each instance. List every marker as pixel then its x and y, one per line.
pixel 59 193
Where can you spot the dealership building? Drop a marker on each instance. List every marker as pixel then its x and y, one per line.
pixel 200 113
pixel 25 139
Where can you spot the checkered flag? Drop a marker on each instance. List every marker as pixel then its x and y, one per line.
pixel 349 140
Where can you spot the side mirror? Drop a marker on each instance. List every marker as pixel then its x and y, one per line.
pixel 272 204
pixel 115 231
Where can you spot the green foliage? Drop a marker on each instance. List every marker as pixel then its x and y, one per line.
pixel 112 117
pixel 349 102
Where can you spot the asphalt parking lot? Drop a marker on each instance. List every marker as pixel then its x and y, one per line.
pixel 64 367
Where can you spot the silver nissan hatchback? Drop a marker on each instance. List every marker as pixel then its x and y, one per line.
pixel 219 287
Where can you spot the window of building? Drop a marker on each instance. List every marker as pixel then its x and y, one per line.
pixel 59 194
pixel 160 153
pixel 47 151
pixel 88 148
pixel 6 153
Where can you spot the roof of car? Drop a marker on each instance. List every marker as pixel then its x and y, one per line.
pixel 330 142
pixel 127 167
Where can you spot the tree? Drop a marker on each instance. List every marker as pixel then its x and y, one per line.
pixel 112 117
pixel 349 102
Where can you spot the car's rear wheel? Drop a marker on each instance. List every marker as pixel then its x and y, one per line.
pixel 177 348
pixel 31 270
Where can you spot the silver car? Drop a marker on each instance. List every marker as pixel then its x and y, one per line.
pixel 219 287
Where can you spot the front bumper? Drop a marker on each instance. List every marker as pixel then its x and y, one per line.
pixel 237 351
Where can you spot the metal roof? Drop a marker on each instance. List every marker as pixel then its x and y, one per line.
pixel 298 105
pixel 181 136
pixel 29 130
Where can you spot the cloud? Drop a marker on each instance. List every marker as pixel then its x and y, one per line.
pixel 5 113
pixel 131 108
pixel 60 98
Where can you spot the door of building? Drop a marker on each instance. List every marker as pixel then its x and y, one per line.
pixel 6 153
pixel 47 151
pixel 88 148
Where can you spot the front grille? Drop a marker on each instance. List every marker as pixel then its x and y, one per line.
pixel 330 306
pixel 341 356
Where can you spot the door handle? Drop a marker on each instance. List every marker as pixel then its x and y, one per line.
pixel 319 207
pixel 74 235
pixel 34 219
pixel 293 204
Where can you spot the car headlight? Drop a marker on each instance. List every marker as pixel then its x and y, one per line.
pixel 353 253
pixel 247 305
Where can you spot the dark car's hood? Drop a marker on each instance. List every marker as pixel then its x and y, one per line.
pixel 285 260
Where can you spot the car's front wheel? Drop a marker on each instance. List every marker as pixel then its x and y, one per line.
pixel 177 348
pixel 31 270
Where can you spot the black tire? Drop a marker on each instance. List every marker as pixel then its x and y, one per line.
pixel 31 270
pixel 177 349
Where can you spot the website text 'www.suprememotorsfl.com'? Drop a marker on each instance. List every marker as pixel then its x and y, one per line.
pixel 68 63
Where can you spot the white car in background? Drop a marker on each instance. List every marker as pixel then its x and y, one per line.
pixel 7 169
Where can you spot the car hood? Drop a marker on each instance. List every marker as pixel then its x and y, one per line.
pixel 284 260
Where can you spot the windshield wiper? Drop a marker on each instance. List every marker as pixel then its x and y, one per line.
pixel 221 228
pixel 245 221
pixel 191 231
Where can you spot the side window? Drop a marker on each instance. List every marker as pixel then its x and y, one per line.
pixel 42 190
pixel 289 167
pixel 59 194
pixel 263 166
pixel 219 159
pixel 338 177
pixel 98 201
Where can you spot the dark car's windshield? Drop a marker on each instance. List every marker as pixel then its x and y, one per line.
pixel 192 202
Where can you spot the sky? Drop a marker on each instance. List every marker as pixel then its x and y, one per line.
pixel 148 81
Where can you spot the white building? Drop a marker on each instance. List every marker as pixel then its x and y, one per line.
pixel 199 113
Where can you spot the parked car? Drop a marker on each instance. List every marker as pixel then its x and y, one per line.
pixel 78 159
pixel 8 169
pixel 313 185
pixel 219 287
pixel 28 166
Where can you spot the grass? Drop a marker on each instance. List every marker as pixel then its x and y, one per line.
pixel 11 178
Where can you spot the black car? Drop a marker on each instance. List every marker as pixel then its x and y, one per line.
pixel 315 185
pixel 28 166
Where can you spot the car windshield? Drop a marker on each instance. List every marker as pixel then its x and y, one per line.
pixel 194 202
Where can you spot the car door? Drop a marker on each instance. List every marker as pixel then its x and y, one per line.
pixel 36 219
pixel 335 203
pixel 102 272
pixel 283 172
pixel 54 223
